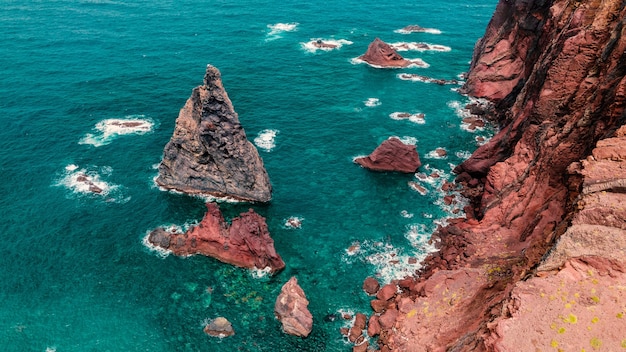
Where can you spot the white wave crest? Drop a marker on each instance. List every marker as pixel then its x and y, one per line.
pixel 278 28
pixel 408 140
pixel 324 44
pixel 260 273
pixel 372 102
pixel 266 140
pixel 109 129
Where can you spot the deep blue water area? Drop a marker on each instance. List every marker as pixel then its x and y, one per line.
pixel 76 275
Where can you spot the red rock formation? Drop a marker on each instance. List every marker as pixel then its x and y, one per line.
pixel 381 54
pixel 291 309
pixel 555 70
pixel 245 243
pixel 574 301
pixel 392 155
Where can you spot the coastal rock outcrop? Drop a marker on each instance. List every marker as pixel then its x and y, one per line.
pixel 381 54
pixel 392 155
pixel 291 309
pixel 555 71
pixel 245 243
pixel 209 153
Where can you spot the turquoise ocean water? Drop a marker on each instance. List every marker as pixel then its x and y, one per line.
pixel 76 275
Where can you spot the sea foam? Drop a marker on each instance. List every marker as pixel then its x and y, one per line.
pixel 266 140
pixel 372 102
pixel 276 29
pixel 109 129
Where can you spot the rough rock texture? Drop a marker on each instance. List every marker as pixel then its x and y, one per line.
pixel 245 243
pixel 555 71
pixel 577 300
pixel 291 309
pixel 209 153
pixel 219 327
pixel 392 155
pixel 381 54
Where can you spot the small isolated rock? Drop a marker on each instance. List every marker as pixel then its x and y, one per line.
pixel 371 285
pixel 219 327
pixel 392 155
pixel 291 309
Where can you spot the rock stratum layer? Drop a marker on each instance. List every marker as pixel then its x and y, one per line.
pixel 209 153
pixel 555 72
pixel 246 242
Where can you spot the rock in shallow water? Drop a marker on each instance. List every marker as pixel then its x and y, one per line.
pixel 392 155
pixel 208 153
pixel 291 309
pixel 219 327
pixel 245 243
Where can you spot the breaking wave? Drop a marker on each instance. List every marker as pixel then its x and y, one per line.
pixel 266 140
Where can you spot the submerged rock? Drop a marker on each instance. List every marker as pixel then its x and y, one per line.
pixel 219 327
pixel 291 309
pixel 245 243
pixel 392 155
pixel 208 153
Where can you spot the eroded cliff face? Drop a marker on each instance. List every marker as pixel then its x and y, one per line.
pixel 555 72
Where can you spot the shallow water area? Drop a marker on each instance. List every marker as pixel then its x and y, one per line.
pixel 111 78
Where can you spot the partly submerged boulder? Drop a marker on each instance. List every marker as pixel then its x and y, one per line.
pixel 219 327
pixel 245 243
pixel 291 309
pixel 209 153
pixel 392 155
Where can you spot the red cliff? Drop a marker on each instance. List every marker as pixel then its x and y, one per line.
pixel 555 71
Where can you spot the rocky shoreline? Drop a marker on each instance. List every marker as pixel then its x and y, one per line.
pixel 555 72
